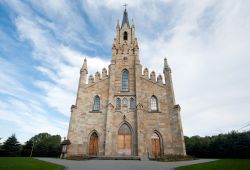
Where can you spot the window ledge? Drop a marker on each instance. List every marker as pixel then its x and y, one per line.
pixel 95 111
pixel 154 111
pixel 124 90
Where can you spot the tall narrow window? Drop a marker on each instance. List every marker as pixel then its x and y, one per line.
pixel 96 103
pixel 125 80
pixel 118 104
pixel 153 103
pixel 132 103
pixel 125 36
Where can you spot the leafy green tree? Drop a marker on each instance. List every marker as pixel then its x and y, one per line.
pixel 11 147
pixel 27 147
pixel 45 145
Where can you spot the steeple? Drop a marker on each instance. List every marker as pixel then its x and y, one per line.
pixel 125 18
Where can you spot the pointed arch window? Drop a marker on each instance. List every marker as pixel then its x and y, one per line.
pixel 125 80
pixel 153 103
pixel 132 103
pixel 118 104
pixel 96 106
pixel 125 35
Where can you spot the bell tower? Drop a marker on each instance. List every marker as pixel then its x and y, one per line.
pixel 125 43
pixel 122 85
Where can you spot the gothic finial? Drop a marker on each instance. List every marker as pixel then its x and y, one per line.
pixel 152 76
pixel 166 66
pixel 104 73
pixel 159 79
pixel 165 63
pixel 118 25
pixel 133 24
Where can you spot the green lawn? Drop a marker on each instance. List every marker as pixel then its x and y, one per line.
pixel 223 164
pixel 22 163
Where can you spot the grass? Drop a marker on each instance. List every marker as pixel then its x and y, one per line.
pixel 223 164
pixel 23 163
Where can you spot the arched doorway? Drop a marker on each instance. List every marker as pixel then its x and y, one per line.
pixel 93 144
pixel 156 145
pixel 124 140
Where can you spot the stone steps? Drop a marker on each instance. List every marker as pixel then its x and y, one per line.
pixel 115 157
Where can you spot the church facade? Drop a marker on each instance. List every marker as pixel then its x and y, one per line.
pixel 125 111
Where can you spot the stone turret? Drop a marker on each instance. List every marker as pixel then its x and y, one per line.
pixel 168 82
pixel 83 73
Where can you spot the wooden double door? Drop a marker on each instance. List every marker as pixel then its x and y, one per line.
pixel 93 144
pixel 124 142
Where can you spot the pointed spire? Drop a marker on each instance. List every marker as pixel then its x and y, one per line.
pixel 125 18
pixel 165 63
pixel 133 24
pixel 118 25
pixel 84 66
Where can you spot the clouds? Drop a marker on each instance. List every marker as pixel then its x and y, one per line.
pixel 206 44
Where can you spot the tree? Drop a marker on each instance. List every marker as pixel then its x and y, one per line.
pixel 11 147
pixel 27 147
pixel 44 145
pixel 231 145
pixel 1 150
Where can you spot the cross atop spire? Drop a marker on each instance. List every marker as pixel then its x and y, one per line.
pixel 125 16
pixel 125 5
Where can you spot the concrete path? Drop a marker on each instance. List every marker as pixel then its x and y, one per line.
pixel 121 164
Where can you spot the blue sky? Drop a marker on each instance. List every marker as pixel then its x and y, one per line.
pixel 43 45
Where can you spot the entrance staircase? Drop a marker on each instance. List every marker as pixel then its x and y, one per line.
pixel 115 157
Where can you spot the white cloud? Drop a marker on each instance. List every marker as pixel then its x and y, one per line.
pixel 209 65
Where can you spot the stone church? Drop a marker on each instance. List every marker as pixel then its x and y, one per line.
pixel 125 111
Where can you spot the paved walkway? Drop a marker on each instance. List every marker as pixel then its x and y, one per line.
pixel 121 164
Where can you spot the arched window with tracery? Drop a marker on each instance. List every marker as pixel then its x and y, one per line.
pixel 118 104
pixel 125 80
pixel 153 103
pixel 96 106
